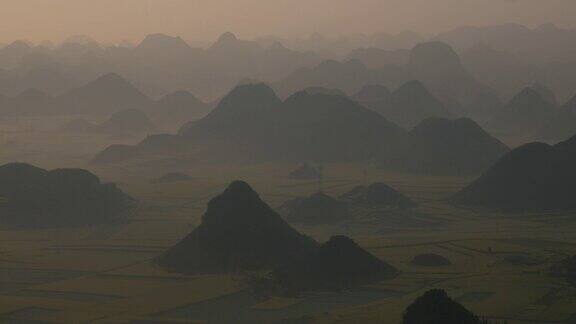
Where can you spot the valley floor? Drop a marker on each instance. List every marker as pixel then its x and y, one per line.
pixel 106 274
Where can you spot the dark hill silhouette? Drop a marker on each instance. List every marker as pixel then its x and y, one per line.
pixel 441 146
pixel 108 94
pixel 410 104
pixel 439 67
pixel 175 109
pixel 430 58
pixel 162 45
pixel 320 127
pixel 523 115
pixel 377 195
pixel 127 121
pixel 242 115
pixel 318 208
pixel 34 197
pixel 305 172
pixel 337 264
pixel 172 177
pixel 238 232
pixel 535 176
pixel 561 126
pixel 430 260
pixel 252 121
pixel 435 306
pixel 309 127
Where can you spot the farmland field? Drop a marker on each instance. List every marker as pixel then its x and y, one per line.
pixel 106 274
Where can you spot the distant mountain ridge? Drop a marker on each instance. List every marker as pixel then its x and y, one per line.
pixel 303 127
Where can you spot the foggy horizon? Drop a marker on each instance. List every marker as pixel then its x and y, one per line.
pixel 110 21
pixel 288 161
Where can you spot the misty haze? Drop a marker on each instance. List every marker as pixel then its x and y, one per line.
pixel 322 161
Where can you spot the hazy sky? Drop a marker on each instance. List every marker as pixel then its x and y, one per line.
pixel 115 20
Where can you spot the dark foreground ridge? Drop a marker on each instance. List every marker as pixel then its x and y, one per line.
pixel 238 232
pixel 34 197
pixel 436 307
pixel 535 176
pixel 337 264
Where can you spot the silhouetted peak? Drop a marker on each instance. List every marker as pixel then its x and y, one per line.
pixel 227 37
pixel 180 96
pixel 239 231
pixel 412 88
pixel 162 41
pixel 433 52
pixel 336 264
pixel 238 189
pixel 248 97
pixel 19 169
pixel 435 306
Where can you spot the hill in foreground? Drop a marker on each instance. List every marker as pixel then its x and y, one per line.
pixel 238 232
pixel 339 263
pixel 535 176
pixel 435 306
pixel 34 197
